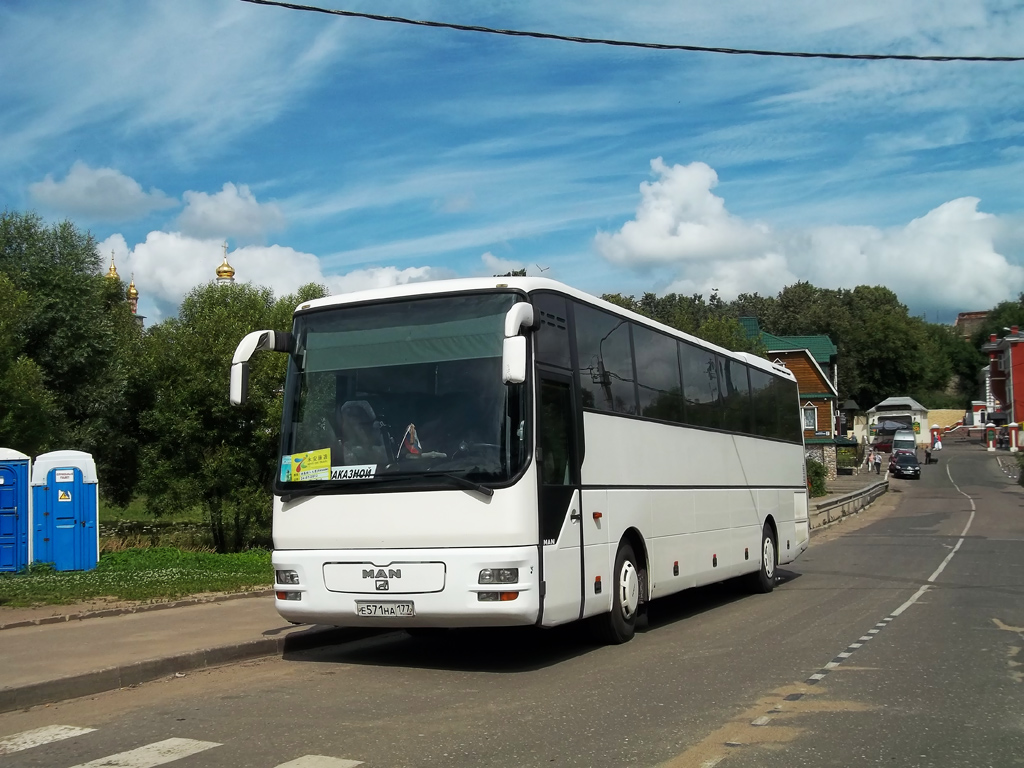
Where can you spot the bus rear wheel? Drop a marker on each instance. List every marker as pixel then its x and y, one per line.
pixel 619 625
pixel 763 579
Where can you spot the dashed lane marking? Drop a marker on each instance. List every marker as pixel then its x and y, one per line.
pixel 320 761
pixel 879 626
pixel 39 736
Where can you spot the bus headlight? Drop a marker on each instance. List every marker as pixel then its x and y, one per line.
pixel 286 577
pixel 499 576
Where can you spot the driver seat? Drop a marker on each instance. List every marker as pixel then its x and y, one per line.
pixel 361 435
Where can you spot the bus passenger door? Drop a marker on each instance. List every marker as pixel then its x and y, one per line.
pixel 558 473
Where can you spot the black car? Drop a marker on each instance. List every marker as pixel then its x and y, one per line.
pixel 905 465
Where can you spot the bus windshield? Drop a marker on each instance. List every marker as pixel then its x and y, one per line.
pixel 406 394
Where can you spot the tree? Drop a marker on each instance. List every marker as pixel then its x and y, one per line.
pixel 26 419
pixel 1004 315
pixel 203 451
pixel 69 329
pixel 712 321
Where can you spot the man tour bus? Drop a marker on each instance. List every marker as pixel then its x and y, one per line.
pixel 495 452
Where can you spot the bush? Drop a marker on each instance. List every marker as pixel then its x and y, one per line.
pixel 846 458
pixel 816 477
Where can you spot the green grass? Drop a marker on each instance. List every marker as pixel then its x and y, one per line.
pixel 157 573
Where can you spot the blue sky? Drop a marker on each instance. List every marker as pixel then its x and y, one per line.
pixel 358 153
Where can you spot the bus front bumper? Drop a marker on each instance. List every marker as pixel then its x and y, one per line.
pixel 408 587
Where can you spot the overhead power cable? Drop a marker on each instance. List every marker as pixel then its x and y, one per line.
pixel 627 43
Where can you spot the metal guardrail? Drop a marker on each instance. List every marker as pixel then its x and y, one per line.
pixel 835 508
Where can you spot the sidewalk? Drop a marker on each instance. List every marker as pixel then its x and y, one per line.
pixel 844 484
pixel 48 662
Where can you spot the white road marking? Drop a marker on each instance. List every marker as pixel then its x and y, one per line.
pixel 320 761
pixel 712 762
pixel 817 676
pixel 158 753
pixel 38 736
pixel 963 533
pixel 917 595
pixel 762 720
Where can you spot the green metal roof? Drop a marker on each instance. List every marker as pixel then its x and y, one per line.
pixel 821 347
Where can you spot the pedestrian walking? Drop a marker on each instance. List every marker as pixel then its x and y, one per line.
pixel 878 463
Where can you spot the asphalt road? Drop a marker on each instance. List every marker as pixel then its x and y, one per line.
pixel 895 640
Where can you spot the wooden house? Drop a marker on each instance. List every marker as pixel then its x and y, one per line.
pixel 814 362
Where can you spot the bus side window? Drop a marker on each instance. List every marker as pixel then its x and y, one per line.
pixel 554 437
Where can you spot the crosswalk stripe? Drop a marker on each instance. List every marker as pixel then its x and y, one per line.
pixel 320 761
pixel 158 753
pixel 38 736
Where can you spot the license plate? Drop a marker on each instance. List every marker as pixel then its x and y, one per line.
pixel 385 609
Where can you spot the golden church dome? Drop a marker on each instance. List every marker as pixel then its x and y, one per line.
pixel 112 272
pixel 132 291
pixel 225 270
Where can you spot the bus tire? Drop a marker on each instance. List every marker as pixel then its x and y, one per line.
pixel 762 580
pixel 619 625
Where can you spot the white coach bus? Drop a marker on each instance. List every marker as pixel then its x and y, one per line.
pixel 510 451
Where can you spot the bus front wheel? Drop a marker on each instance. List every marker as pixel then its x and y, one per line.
pixel 763 579
pixel 619 625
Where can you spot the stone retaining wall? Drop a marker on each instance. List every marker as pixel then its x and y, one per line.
pixel 836 507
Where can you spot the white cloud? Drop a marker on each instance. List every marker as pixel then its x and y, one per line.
pixel 232 212
pixel 946 259
pixel 103 194
pixel 170 264
pixel 498 266
pixel 380 277
pixel 678 219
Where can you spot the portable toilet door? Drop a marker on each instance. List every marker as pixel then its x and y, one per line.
pixel 65 500
pixel 15 510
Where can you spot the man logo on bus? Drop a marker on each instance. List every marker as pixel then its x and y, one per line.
pixel 383 586
pixel 380 573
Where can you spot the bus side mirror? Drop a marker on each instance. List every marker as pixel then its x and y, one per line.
pixel 276 341
pixel 513 360
pixel 513 349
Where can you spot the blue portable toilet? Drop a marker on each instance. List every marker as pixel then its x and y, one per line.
pixel 15 510
pixel 65 507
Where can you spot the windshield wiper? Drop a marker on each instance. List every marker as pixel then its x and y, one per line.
pixel 462 482
pixel 323 486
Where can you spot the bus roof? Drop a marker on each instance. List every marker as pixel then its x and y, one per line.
pixel 526 285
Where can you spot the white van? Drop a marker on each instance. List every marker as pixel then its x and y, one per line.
pixel 904 440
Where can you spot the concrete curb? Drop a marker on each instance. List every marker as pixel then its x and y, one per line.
pixel 830 510
pixel 112 678
pixel 141 608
